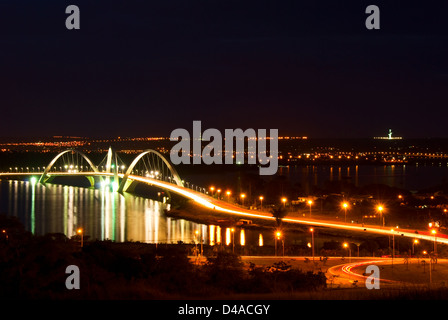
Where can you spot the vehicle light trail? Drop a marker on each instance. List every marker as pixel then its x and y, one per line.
pixel 347 271
pixel 221 206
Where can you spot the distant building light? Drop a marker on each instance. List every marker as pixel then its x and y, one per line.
pixel 389 137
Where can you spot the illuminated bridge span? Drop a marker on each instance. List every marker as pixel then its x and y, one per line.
pixel 151 168
pixel 149 164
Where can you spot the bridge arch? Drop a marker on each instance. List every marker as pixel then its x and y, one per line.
pixel 44 176
pixel 123 185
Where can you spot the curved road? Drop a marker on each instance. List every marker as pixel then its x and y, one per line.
pixel 345 274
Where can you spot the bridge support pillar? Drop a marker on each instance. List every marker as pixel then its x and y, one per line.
pixel 112 166
pixel 129 186
pixel 93 180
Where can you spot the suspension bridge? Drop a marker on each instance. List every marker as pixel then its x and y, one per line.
pixel 151 168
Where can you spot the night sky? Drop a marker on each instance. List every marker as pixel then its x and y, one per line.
pixel 145 68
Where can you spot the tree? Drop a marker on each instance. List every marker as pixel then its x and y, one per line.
pixel 278 212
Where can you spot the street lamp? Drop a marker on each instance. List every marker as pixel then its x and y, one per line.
pixel 284 202
pixel 413 244
pixel 347 246
pixel 380 208
pixel 212 189
pixel 310 202
pixel 345 205
pixel 5 233
pixel 81 233
pixel 228 193
pixel 312 241
pixel 261 202
pixel 278 236
pixel 434 232
pixel 430 266
pixel 393 246
pixel 233 240
pixel 242 198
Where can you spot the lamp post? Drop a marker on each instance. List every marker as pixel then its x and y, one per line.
pixel 242 198
pixel 278 236
pixel 347 246
pixel 345 205
pixel 310 202
pixel 393 246
pixel 228 193
pixel 81 233
pixel 380 209
pixel 312 242
pixel 414 243
pixel 434 232
pixel 430 267
pixel 6 234
pixel 261 202
pixel 233 240
pixel 284 202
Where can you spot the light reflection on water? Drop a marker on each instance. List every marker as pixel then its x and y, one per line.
pixel 106 215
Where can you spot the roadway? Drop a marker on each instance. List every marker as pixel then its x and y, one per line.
pixel 353 273
pixel 225 207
